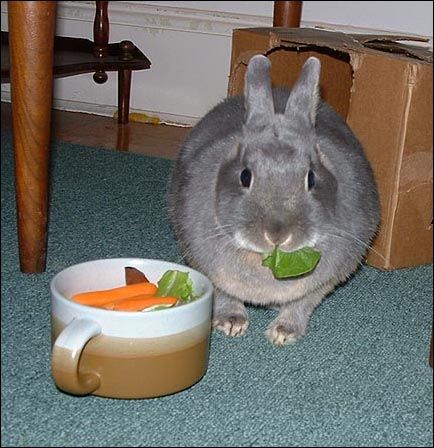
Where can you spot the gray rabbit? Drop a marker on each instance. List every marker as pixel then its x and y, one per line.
pixel 274 167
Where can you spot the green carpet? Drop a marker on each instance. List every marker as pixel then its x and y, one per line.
pixel 359 378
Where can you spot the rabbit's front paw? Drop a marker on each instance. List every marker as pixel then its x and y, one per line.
pixel 231 325
pixel 282 334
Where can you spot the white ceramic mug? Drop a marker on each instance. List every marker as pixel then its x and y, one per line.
pixel 123 354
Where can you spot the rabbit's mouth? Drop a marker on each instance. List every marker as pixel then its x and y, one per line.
pixel 288 244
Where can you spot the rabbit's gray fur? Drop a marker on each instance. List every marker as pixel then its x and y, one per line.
pixel 224 228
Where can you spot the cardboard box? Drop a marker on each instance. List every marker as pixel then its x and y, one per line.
pixel 383 89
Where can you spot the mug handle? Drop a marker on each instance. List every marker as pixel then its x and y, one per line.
pixel 65 357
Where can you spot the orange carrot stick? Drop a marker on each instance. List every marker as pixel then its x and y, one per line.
pixel 99 298
pixel 139 303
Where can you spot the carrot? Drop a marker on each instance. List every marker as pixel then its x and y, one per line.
pixel 99 298
pixel 140 302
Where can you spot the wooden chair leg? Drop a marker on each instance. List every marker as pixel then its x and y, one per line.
pixel 123 137
pixel 124 88
pixel 101 27
pixel 287 14
pixel 31 35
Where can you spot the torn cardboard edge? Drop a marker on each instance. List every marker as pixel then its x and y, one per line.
pixel 360 42
pixel 336 41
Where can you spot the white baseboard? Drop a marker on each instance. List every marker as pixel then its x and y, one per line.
pixel 109 111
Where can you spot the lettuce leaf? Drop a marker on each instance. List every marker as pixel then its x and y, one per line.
pixel 177 284
pixel 291 264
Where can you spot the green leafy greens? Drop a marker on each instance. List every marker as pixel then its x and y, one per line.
pixel 176 284
pixel 291 264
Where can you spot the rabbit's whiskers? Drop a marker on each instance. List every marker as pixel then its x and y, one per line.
pixel 350 237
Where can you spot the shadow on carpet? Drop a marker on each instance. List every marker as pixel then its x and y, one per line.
pixel 359 378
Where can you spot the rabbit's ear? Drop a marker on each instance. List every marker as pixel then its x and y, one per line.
pixel 304 96
pixel 258 96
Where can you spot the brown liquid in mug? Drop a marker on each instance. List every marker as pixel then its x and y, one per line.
pixel 143 368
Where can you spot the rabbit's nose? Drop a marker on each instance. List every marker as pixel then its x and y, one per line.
pixel 277 235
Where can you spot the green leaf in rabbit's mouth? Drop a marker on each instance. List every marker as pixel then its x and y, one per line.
pixel 291 264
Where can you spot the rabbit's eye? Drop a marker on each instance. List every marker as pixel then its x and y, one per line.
pixel 246 177
pixel 310 180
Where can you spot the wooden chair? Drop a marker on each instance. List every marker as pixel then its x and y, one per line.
pixel 36 56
